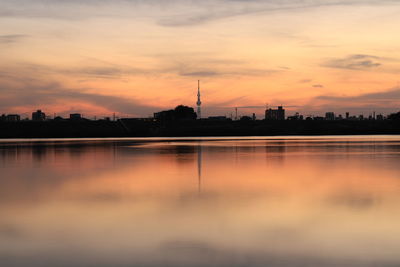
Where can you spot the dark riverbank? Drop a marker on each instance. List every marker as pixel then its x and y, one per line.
pixel 139 128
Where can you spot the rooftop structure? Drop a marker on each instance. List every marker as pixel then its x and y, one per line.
pixel 275 114
pixel 38 115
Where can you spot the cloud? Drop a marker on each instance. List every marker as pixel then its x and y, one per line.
pixel 200 73
pixel 206 65
pixel 40 93
pixel 28 85
pixel 235 72
pixel 318 86
pixel 232 8
pixel 387 101
pixel 390 95
pixel 171 13
pixel 100 71
pixel 107 72
pixel 11 38
pixel 209 65
pixel 354 62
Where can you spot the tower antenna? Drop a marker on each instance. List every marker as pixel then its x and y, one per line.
pixel 198 100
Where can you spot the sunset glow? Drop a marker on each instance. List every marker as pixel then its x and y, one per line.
pixel 136 57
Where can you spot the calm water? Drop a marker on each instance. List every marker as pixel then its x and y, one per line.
pixel 318 201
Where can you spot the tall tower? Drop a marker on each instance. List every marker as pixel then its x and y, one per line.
pixel 198 101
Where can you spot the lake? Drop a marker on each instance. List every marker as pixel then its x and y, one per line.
pixel 282 201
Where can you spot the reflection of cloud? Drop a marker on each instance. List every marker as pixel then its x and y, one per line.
pixel 10 231
pixel 102 197
pixel 354 200
pixel 354 62
pixel 189 246
pixel 199 253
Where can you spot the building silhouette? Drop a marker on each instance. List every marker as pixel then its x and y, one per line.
pixel 218 118
pixel 38 115
pixel 296 117
pixel 10 117
pixel 245 118
pixel 13 117
pixel 275 114
pixel 75 116
pixel 329 116
pixel 180 113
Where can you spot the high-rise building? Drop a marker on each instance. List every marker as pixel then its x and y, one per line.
pixel 198 103
pixel 38 115
pixel 275 114
pixel 330 116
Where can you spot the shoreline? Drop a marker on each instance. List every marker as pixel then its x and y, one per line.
pixel 192 129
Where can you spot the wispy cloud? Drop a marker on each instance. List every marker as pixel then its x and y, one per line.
pixel 384 102
pixel 392 95
pixel 171 13
pixel 204 73
pixel 232 8
pixel 108 72
pixel 11 38
pixel 41 93
pixel 387 101
pixel 354 62
pixel 227 72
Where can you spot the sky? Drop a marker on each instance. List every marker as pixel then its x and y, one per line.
pixel 136 57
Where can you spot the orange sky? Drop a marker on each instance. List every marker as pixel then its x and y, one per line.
pixel 137 57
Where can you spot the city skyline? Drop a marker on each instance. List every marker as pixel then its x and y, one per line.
pixel 270 113
pixel 316 56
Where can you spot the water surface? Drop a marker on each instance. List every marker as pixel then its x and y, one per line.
pixel 285 201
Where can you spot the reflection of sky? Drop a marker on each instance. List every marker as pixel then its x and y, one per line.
pixel 276 203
